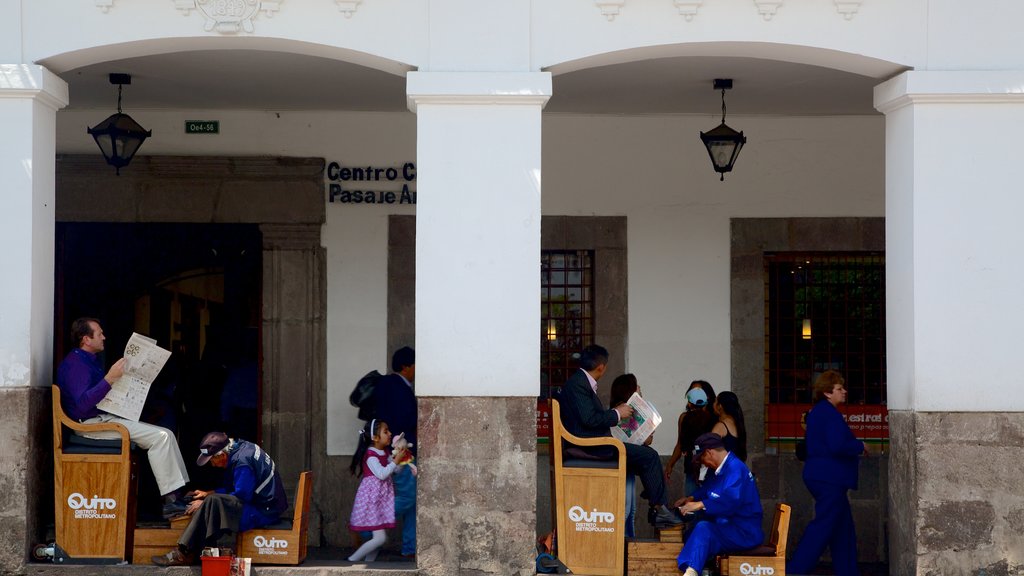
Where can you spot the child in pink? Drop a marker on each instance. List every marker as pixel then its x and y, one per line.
pixel 374 506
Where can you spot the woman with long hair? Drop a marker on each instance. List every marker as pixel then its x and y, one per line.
pixel 731 426
pixel 696 420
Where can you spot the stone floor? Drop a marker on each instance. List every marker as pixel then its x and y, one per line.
pixel 319 562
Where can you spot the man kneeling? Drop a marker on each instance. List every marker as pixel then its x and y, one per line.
pixel 731 507
pixel 253 496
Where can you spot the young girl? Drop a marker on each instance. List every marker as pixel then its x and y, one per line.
pixel 374 506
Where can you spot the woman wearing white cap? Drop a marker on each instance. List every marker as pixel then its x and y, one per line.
pixel 696 420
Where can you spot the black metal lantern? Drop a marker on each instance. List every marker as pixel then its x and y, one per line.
pixel 723 143
pixel 119 136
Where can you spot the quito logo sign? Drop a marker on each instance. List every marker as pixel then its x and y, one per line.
pixel 270 545
pixel 592 521
pixel 94 507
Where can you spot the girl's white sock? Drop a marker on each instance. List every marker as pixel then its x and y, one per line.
pixel 370 548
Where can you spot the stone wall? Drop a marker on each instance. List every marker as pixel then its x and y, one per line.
pixel 26 473
pixel 477 498
pixel 957 500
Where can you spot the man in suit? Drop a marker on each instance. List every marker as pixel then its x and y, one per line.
pixel 395 402
pixel 583 415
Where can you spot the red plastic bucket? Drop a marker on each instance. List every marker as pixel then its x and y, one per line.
pixel 216 565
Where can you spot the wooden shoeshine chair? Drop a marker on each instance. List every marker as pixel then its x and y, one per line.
pixel 590 504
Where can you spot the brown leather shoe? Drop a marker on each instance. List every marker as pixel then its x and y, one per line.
pixel 173 558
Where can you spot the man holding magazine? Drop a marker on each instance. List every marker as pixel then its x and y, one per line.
pixel 83 385
pixel 583 415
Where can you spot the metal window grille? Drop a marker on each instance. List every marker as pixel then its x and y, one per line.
pixel 824 311
pixel 567 317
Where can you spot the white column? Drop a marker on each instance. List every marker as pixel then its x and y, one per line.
pixel 29 99
pixel 954 238
pixel 478 231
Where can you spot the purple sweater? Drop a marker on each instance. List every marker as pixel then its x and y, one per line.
pixel 82 386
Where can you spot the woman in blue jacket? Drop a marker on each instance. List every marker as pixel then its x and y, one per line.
pixel 833 455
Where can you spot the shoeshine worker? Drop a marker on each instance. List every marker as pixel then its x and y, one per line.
pixel 253 496
pixel 730 506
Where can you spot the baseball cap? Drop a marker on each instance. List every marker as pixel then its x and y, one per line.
pixel 706 441
pixel 697 397
pixel 212 443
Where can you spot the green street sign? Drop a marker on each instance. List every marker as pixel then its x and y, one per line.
pixel 202 126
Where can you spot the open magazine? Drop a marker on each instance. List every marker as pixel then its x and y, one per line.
pixel 143 360
pixel 638 427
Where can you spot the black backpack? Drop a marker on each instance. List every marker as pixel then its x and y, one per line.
pixel 362 395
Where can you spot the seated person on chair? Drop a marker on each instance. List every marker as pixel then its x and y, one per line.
pixel 253 496
pixel 730 506
pixel 583 415
pixel 82 386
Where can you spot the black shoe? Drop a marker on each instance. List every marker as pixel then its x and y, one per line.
pixel 172 509
pixel 665 518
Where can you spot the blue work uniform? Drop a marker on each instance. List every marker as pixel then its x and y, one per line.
pixel 732 512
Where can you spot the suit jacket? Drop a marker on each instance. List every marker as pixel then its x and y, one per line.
pixel 396 404
pixel 583 414
pixel 833 453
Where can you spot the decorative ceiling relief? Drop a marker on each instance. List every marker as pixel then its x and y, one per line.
pixel 229 16
pixel 767 8
pixel 348 7
pixel 688 8
pixel 610 8
pixel 104 5
pixel 848 8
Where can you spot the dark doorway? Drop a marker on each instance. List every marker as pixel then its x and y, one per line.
pixel 196 289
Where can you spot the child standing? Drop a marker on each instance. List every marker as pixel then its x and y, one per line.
pixel 374 506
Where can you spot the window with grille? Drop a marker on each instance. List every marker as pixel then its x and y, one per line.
pixel 824 311
pixel 567 320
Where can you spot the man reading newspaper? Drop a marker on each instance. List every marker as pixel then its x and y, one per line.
pixel 83 386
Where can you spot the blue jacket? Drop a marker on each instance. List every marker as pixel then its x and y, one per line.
pixel 396 404
pixel 731 497
pixel 833 453
pixel 253 478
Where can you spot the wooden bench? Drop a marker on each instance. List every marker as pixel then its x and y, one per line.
pixel 768 556
pixel 93 488
pixel 590 504
pixel 283 543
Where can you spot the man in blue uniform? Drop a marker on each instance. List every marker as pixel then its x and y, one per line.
pixel 253 496
pixel 730 504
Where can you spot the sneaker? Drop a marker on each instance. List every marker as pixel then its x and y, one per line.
pixel 665 518
pixel 173 558
pixel 172 509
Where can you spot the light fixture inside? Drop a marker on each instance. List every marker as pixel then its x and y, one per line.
pixel 119 136
pixel 723 143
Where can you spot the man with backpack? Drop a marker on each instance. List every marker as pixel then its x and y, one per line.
pixel 394 401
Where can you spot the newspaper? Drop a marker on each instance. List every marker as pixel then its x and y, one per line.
pixel 638 427
pixel 143 360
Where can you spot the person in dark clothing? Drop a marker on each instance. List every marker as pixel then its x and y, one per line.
pixel 583 415
pixel 253 496
pixel 394 397
pixel 830 471
pixel 696 420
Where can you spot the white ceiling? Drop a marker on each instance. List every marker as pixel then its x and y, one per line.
pixel 264 80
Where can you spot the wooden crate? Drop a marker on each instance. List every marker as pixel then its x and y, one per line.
pixel 157 541
pixel 674 534
pixel 649 557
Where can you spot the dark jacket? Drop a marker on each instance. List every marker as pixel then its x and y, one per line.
pixel 583 414
pixel 833 453
pixel 396 405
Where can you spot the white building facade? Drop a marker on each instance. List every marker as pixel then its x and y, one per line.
pixel 461 99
